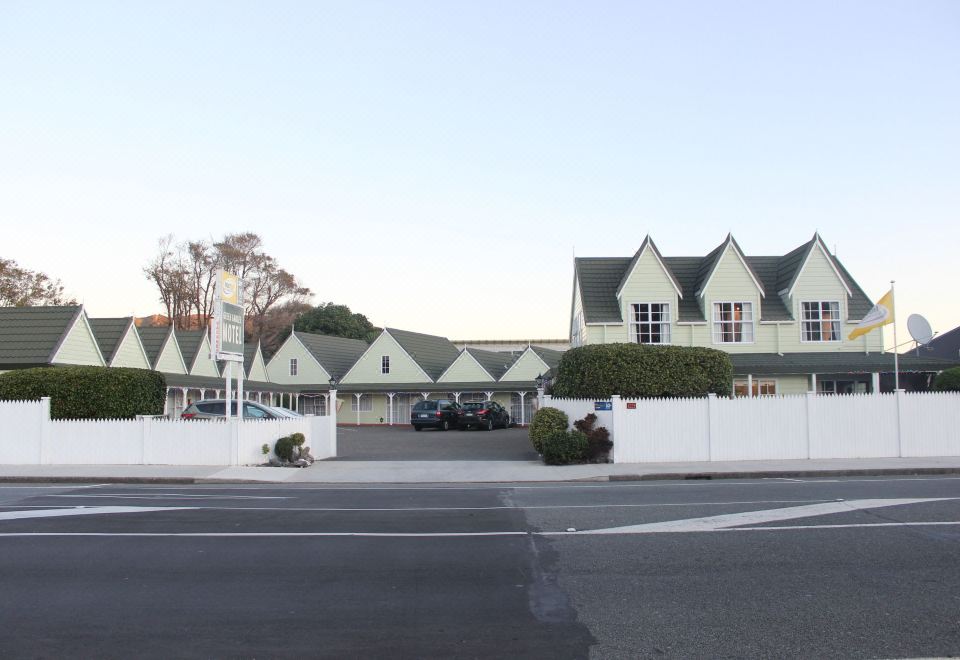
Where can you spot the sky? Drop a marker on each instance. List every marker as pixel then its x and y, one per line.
pixel 436 165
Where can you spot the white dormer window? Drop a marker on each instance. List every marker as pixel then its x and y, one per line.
pixel 820 321
pixel 385 364
pixel 732 323
pixel 650 323
pixel 293 366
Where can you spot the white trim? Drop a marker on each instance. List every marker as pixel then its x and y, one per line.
pixel 818 242
pixel 801 321
pixel 756 380
pixel 81 314
pixel 546 367
pixel 600 323
pixel 143 351
pixel 630 322
pixel 647 244
pixel 384 365
pixel 459 357
pixel 713 322
pixel 731 244
pixel 343 379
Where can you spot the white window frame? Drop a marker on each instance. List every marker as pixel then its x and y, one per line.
pixel 363 404
pixel 384 364
pixel 758 384
pixel 294 367
pixel 819 321
pixel 666 326
pixel 716 332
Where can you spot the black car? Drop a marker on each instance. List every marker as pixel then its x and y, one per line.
pixel 484 414
pixel 438 414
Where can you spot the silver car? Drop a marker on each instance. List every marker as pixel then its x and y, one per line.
pixel 215 409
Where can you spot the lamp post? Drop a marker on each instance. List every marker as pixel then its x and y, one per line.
pixel 539 381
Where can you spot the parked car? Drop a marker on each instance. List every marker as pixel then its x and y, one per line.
pixel 285 412
pixel 215 409
pixel 484 414
pixel 435 413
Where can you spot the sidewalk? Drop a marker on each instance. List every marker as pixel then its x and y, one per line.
pixel 441 472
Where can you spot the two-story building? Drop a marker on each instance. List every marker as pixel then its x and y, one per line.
pixel 784 320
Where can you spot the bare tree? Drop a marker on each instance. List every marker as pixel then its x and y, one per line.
pixel 20 287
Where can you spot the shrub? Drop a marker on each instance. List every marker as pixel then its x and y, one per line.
pixel 565 447
pixel 948 381
pixel 298 439
pixel 89 392
pixel 637 370
pixel 546 421
pixel 599 443
pixel 284 448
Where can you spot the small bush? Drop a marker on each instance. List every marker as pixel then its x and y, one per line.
pixel 546 421
pixel 598 439
pixel 948 381
pixel 298 439
pixel 284 448
pixel 89 392
pixel 565 447
pixel 636 370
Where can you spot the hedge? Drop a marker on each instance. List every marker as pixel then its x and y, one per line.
pixel 637 370
pixel 565 447
pixel 89 392
pixel 546 421
pixel 948 380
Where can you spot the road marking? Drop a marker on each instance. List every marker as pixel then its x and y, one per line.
pixel 83 511
pixel 715 523
pixel 158 496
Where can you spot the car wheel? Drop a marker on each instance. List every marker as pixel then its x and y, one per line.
pixel 506 422
pixel 489 425
pixel 417 428
pixel 446 425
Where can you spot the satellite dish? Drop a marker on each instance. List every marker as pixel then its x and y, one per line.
pixel 919 329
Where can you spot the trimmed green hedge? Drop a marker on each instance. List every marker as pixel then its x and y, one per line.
pixel 89 392
pixel 636 370
pixel 546 421
pixel 948 380
pixel 565 447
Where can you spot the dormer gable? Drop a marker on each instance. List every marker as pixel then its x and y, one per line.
pixel 813 256
pixel 78 344
pixel 399 366
pixel 723 257
pixel 527 367
pixel 295 363
pixel 465 369
pixel 648 250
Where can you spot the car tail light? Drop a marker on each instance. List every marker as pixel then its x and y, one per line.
pixel 438 414
pixel 460 413
pixel 483 412
pixel 188 415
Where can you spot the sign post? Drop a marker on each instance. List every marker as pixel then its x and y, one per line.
pixel 227 332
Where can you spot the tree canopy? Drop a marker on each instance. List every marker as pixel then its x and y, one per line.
pixel 338 321
pixel 21 287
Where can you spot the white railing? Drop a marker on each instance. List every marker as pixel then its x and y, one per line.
pixel 29 437
pixel 902 424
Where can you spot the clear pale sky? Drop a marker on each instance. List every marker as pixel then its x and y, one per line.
pixel 434 165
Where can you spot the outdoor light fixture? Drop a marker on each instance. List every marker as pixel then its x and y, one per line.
pixel 539 381
pixel 332 383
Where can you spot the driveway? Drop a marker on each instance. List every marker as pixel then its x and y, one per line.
pixel 402 443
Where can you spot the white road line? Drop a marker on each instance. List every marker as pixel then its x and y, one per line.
pixel 171 496
pixel 83 511
pixel 714 523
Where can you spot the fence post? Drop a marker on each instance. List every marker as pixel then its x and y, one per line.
pixel 332 414
pixel 617 412
pixel 145 432
pixel 233 425
pixel 899 398
pixel 713 425
pixel 45 431
pixel 810 402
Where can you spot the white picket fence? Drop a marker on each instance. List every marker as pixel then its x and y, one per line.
pixel 29 437
pixel 908 424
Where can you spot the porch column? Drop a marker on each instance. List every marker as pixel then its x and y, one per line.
pixel 296 402
pixel 219 394
pixel 166 403
pixel 456 396
pixel 523 415
pixel 327 397
pixel 749 386
pixel 358 395
pixel 813 382
pixel 425 395
pixel 184 390
pixel 489 395
pixel 203 394
pixel 390 396
pixel 875 382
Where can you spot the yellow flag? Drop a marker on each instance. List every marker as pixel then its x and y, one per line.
pixel 880 314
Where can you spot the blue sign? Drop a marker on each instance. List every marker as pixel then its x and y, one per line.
pixel 603 405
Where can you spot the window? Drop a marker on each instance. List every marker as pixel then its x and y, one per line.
pixel 733 323
pixel 650 323
pixel 293 366
pixel 365 403
pixel 760 387
pixel 820 321
pixel 385 364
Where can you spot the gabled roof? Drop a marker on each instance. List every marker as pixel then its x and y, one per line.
pixel 840 362
pixel 109 334
pixel 628 273
pixel 791 266
pixel 712 261
pixel 599 278
pixel 493 362
pixel 153 338
pixel 432 353
pixel 335 354
pixel 190 342
pixel 548 355
pixel 945 346
pixel 30 336
pixel 249 355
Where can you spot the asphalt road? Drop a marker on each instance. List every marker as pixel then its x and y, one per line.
pixel 845 568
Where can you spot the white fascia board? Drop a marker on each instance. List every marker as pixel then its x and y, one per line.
pixel 663 267
pixel 546 367
pixel 81 317
pixel 818 243
pixel 743 260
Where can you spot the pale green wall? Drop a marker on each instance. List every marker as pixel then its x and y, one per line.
pixel 648 284
pixel 309 370
pixel 528 367
pixel 731 282
pixel 606 334
pixel 171 362
pixel 258 370
pixel 130 354
pixel 402 368
pixel 793 384
pixel 465 369
pixel 79 347
pixel 203 365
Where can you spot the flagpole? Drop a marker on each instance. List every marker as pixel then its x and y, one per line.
pixel 896 355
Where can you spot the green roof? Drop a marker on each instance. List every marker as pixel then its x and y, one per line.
pixel 434 354
pixel 772 364
pixel 30 336
pixel 335 354
pixel 495 363
pixel 190 342
pixel 153 338
pixel 486 386
pixel 109 333
pixel 548 355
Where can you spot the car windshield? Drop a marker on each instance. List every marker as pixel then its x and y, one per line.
pixel 475 405
pixel 426 405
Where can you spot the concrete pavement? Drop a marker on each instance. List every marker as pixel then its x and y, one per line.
pixel 367 472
